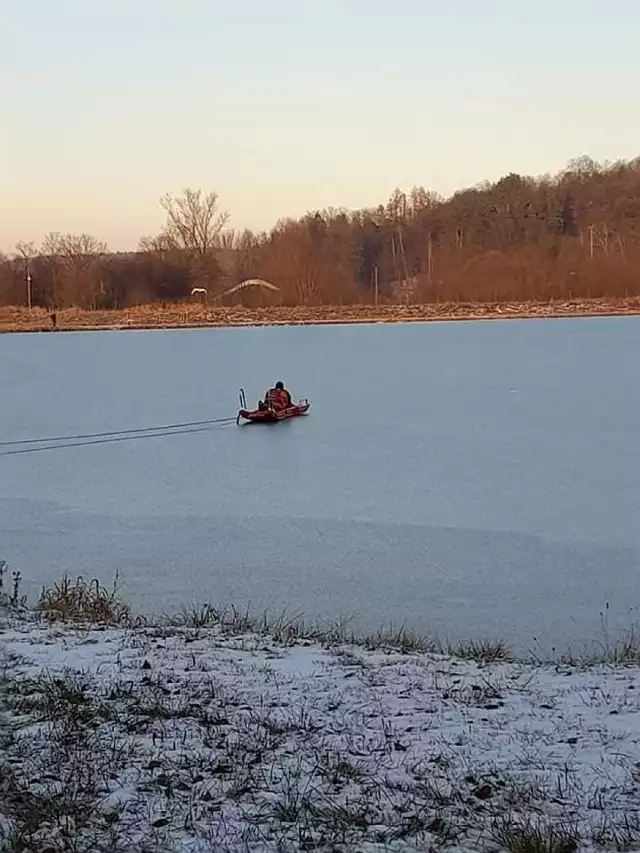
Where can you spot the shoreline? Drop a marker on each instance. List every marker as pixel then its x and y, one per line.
pixel 191 316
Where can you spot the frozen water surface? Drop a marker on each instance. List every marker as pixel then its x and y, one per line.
pixel 466 479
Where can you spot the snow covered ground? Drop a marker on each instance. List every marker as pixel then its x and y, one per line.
pixel 163 739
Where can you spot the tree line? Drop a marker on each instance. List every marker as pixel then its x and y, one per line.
pixel 572 235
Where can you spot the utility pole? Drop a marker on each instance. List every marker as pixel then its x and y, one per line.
pixel 407 288
pixel 375 284
pixel 405 271
pixel 28 282
pixel 396 277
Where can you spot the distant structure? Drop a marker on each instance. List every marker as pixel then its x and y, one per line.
pixel 249 284
pixel 252 282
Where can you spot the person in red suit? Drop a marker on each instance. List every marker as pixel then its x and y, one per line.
pixel 277 397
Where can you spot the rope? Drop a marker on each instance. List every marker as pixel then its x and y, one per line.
pixel 119 437
pixel 50 439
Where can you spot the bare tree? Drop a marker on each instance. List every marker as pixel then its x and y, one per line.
pixel 75 261
pixel 26 250
pixel 193 225
pixel 6 280
pixel 71 246
pixel 193 231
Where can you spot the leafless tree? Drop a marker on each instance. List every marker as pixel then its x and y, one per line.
pixel 193 231
pixel 25 251
pixel 194 224
pixel 74 260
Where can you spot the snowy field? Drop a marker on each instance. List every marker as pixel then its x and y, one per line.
pixel 165 739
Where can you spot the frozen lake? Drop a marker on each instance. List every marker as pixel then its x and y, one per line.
pixel 464 479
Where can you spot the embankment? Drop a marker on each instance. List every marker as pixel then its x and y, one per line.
pixel 17 319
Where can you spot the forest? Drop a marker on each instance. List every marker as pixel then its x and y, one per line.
pixel 573 235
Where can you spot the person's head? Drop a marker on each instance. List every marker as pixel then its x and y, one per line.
pixel 279 386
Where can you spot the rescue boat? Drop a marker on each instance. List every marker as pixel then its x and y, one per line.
pixel 266 415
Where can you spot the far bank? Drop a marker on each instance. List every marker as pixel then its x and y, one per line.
pixel 20 319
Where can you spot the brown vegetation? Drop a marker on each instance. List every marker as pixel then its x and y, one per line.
pixel 568 238
pixel 185 315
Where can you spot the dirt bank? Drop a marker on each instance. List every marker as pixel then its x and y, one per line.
pixel 16 319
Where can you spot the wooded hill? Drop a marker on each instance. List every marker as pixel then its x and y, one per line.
pixel 572 235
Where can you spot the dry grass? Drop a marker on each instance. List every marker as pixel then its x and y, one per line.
pixel 283 627
pixel 92 603
pixel 184 755
pixel 294 772
pixel 191 314
pixel 535 836
pixel 51 780
pixel 485 651
pixel 10 596
pixel 398 639
pixel 287 629
pixel 619 651
pixel 620 832
pixel 79 601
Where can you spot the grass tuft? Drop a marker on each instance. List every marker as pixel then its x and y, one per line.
pixel 397 639
pixel 10 597
pixel 622 651
pixel 534 836
pixel 483 651
pixel 79 601
pixel 620 832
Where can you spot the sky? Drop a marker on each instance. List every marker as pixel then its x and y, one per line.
pixel 288 106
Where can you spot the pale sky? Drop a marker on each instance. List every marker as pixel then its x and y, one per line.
pixel 291 105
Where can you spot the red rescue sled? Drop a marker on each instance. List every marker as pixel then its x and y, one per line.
pixel 262 416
